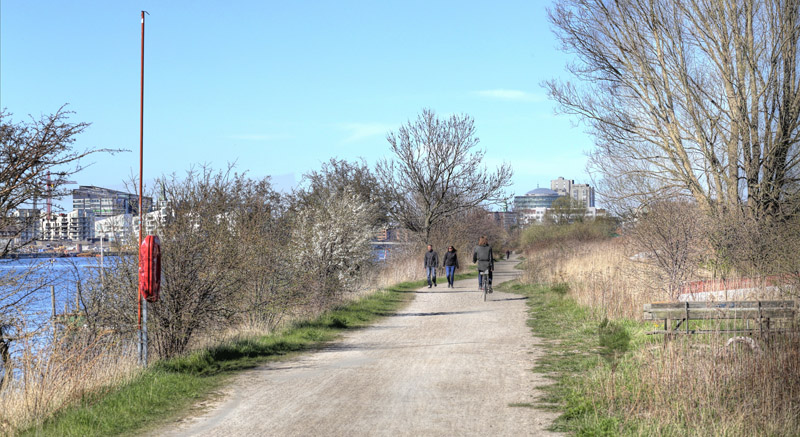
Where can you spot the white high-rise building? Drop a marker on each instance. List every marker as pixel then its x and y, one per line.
pixel 125 227
pixel 117 228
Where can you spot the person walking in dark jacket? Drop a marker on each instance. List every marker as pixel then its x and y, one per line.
pixel 431 264
pixel 485 258
pixel 450 265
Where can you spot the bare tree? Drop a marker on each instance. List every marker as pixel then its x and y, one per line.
pixel 671 235
pixel 437 173
pixel 463 229
pixel 31 153
pixel 688 97
pixel 754 248
pixel 269 290
pixel 36 158
pixel 199 261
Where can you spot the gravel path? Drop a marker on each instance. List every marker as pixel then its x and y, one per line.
pixel 449 364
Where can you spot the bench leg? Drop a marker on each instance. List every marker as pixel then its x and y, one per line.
pixel 765 331
pixel 667 330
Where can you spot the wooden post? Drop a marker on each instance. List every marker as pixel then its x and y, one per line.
pixel 686 314
pixel 53 304
pixel 668 330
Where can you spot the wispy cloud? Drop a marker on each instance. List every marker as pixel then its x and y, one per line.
pixel 260 137
pixel 360 131
pixel 515 95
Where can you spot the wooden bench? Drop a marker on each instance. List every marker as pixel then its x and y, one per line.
pixel 760 313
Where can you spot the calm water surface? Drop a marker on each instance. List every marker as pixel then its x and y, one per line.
pixel 62 273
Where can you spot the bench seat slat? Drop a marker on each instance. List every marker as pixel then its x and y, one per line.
pixel 726 305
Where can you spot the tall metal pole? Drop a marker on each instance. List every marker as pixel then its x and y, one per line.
pixel 142 333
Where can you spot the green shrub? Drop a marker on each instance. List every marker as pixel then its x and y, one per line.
pixel 542 236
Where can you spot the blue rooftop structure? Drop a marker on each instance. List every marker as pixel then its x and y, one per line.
pixel 538 198
pixel 541 192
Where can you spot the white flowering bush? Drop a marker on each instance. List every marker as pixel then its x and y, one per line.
pixel 331 242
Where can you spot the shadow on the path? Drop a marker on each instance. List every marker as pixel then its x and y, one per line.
pixel 436 313
pixel 510 298
pixel 383 346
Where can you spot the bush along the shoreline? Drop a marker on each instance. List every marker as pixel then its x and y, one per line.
pixel 168 387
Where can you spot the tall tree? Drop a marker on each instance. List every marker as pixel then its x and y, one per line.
pixel 436 172
pixel 31 153
pixel 688 97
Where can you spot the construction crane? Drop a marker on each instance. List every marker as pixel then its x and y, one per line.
pixel 48 194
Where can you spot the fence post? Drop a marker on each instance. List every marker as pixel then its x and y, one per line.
pixel 53 305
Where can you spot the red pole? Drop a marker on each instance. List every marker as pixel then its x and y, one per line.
pixel 141 163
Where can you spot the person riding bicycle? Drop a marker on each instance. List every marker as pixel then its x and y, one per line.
pixel 485 259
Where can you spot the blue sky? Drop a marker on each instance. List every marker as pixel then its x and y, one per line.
pixel 280 87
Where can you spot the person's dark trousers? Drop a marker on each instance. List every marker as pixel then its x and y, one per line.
pixel 451 273
pixel 480 279
pixel 431 275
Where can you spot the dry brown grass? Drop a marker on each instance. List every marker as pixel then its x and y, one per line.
pixel 600 275
pixel 52 377
pixel 693 385
pixel 714 390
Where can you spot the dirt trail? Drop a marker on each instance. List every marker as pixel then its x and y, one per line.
pixel 449 364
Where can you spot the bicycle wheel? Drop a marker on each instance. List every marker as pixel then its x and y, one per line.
pixel 485 286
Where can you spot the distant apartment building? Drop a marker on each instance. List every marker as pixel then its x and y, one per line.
pixel 152 221
pixel 567 187
pixel 116 229
pixel 562 186
pixel 73 226
pixel 104 202
pixel 30 225
pixel 507 219
pixel 535 205
pixel 125 227
pixel 584 194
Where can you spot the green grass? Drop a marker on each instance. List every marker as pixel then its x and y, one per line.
pixel 169 388
pixel 597 367
pixel 572 359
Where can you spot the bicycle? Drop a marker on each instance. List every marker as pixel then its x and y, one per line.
pixel 484 282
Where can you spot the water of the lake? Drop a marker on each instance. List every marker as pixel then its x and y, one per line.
pixel 62 273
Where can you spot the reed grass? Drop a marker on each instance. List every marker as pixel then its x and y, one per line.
pixel 692 385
